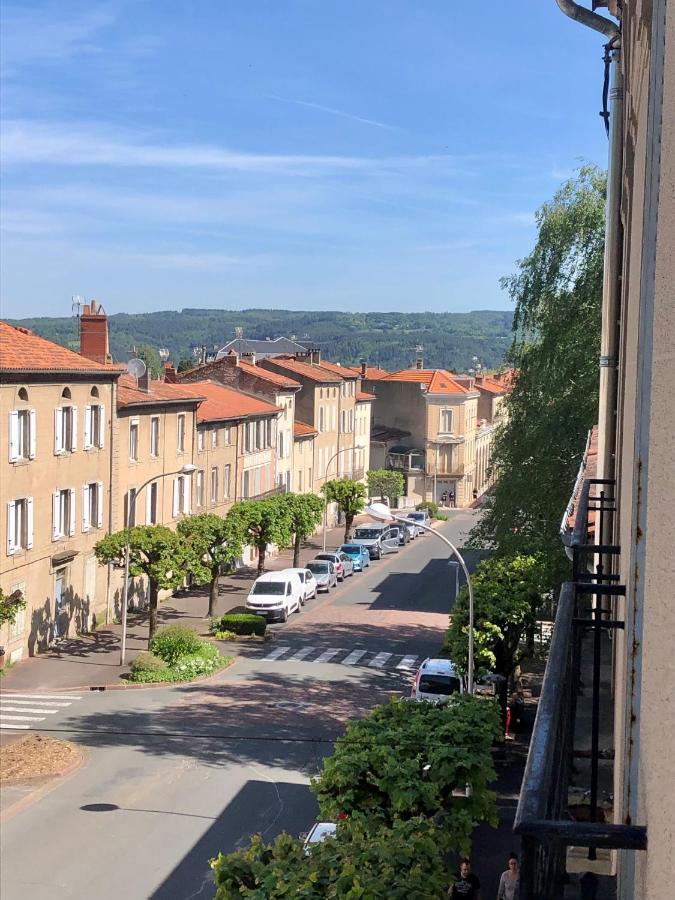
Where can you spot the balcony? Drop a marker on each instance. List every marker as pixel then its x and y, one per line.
pixel 576 704
pixel 406 460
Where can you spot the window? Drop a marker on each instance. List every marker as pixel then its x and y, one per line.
pixel 133 439
pixel 181 495
pixel 227 436
pixel 214 484
pixel 245 484
pixel 130 507
pixel 300 481
pixel 63 518
pixel 309 479
pixel 214 438
pixel 151 504
pixel 322 418
pixel 65 429
pixel 227 474
pixel 92 505
pixel 446 421
pixel 199 488
pixel 200 439
pixel 154 436
pixel 19 525
pixel 180 443
pixel 94 424
pixel 21 434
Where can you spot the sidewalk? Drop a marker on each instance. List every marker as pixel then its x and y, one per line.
pixel 92 660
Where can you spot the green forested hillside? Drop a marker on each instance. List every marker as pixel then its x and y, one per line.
pixel 385 339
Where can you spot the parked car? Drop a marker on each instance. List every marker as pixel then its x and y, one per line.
pixel 411 528
pixel 308 581
pixel 343 564
pixel 358 555
pixel 378 539
pixel 275 595
pixel 319 832
pixel 403 534
pixel 437 680
pixel 420 517
pixel 324 574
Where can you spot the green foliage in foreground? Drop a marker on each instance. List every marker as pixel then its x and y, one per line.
pixel 178 654
pixel 433 510
pixel 403 862
pixel 239 623
pixel 10 605
pixel 387 484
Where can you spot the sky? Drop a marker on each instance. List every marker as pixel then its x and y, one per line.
pixel 299 154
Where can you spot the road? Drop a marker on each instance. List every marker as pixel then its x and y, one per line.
pixel 173 775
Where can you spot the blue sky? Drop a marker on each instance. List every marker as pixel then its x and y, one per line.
pixel 306 154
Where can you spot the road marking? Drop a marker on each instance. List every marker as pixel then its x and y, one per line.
pixel 327 655
pixel 353 657
pixel 379 660
pixel 5 718
pixel 408 662
pixel 25 709
pixel 275 654
pixel 8 698
pixel 11 696
pixel 12 727
pixel 301 654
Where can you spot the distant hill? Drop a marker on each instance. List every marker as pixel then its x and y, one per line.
pixel 389 339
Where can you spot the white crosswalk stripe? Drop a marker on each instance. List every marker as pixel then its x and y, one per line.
pixel 329 654
pixel 408 662
pixel 343 656
pixel 379 660
pixel 353 657
pixel 302 654
pixel 16 710
pixel 275 654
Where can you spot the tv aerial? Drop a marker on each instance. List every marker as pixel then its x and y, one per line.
pixel 76 304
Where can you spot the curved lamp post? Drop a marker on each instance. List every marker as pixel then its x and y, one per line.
pixel 187 469
pixel 325 479
pixel 381 511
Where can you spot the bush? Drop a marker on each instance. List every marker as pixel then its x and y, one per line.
pixel 148 669
pixel 147 662
pixel 174 642
pixel 239 623
pixel 433 510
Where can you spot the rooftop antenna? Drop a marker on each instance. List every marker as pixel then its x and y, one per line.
pixel 239 332
pixel 137 368
pixel 164 354
pixel 76 304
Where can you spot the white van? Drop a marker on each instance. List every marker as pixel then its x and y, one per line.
pixel 436 681
pixel 377 538
pixel 276 595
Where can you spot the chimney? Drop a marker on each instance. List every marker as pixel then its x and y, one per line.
pixel 170 373
pixel 364 368
pixel 94 333
pixel 315 356
pixel 144 382
pixel 248 357
pixel 419 363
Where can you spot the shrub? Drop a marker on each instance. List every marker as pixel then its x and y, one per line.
pixel 148 669
pixel 433 510
pixel 174 642
pixel 147 662
pixel 239 623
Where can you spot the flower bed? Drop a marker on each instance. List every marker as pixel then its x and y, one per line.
pixel 177 653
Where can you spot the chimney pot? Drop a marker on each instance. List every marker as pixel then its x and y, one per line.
pixel 315 356
pixel 419 363
pixel 364 368
pixel 170 373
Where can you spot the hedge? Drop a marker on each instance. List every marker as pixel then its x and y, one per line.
pixel 239 623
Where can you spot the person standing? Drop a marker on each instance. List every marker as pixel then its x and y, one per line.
pixel 444 498
pixel 509 883
pixel 452 499
pixel 466 885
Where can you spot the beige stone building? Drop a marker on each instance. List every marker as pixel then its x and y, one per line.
pixel 304 464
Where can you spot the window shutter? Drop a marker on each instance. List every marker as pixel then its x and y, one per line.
pixel 188 486
pixel 29 523
pixel 58 430
pixel 99 505
pixel 148 504
pixel 11 537
pixel 13 436
pixel 33 434
pixel 85 508
pixel 73 445
pixel 56 508
pixel 87 428
pixel 175 496
pixel 71 524
pixel 100 437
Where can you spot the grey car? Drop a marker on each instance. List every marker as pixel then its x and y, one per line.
pixel 343 564
pixel 324 573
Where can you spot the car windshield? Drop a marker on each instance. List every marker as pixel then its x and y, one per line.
pixel 329 556
pixel 416 517
pixel 351 549
pixel 439 684
pixel 269 588
pixel 320 567
pixel 367 534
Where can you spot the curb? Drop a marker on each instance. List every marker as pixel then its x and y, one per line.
pixel 52 782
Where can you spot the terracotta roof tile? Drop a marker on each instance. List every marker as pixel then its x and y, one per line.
pixel 23 351
pixel 300 429
pixel 222 403
pixel 437 381
pixel 337 369
pixel 490 386
pixel 374 373
pixel 306 370
pixel 362 397
pixel 129 394
pixel 273 377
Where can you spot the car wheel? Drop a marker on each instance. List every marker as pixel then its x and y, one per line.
pixel 284 615
pixel 299 607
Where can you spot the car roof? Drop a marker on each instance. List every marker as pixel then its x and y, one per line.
pixel 281 575
pixel 325 553
pixel 295 569
pixel 321 830
pixel 438 667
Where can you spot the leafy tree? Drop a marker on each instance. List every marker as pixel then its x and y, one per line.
pixel 558 295
pixel 405 760
pixel 155 552
pixel 210 542
pixel 305 512
pixel 263 522
pixel 386 483
pixel 350 497
pixel 150 357
pixel 403 862
pixel 10 604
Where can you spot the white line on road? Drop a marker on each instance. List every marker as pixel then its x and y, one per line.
pixel 379 660
pixel 408 662
pixel 275 654
pixel 9 695
pixel 353 657
pixel 327 655
pixel 10 699
pixel 301 654
pixel 25 709
pixel 5 718
pixel 12 727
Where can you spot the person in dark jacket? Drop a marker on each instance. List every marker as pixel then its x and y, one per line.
pixel 466 885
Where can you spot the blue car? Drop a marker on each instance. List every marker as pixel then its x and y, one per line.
pixel 358 554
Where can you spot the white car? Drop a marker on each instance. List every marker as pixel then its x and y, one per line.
pixel 319 832
pixel 276 595
pixel 309 584
pixel 420 517
pixel 437 680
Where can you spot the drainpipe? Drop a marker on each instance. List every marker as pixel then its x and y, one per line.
pixel 589 19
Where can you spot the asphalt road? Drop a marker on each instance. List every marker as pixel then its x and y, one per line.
pixel 173 775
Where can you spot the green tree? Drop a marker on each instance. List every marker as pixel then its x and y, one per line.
pixel 10 605
pixel 150 357
pixel 385 483
pixel 305 512
pixel 210 543
pixel 184 364
pixel 406 759
pixel 263 522
pixel 558 295
pixel 350 497
pixel 403 862
pixel 155 552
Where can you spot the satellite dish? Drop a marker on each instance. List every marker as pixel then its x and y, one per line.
pixel 136 367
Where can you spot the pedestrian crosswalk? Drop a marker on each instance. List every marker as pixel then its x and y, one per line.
pixel 21 712
pixel 344 656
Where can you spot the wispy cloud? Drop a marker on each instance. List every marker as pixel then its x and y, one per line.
pixel 331 110
pixel 201 261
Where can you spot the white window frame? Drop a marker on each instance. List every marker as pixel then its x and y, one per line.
pixel 200 439
pixel 181 428
pixel 227 437
pixel 181 495
pixel 19 525
pixel 92 506
pixel 227 481
pixel 214 484
pixel 214 437
pixel 65 419
pixel 134 425
pixel 94 426
pixel 22 435
pixel 63 507
pixel 152 490
pixel 154 436
pixel 199 489
pixel 445 414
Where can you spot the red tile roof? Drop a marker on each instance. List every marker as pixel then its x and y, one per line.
pixel 129 394
pixel 373 373
pixel 273 377
pixel 588 469
pixel 23 351
pixel 300 430
pixel 437 381
pixel 362 397
pixel 491 386
pixel 222 402
pixel 337 369
pixel 306 370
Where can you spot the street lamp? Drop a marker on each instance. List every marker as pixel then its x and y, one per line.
pixel 381 511
pixel 325 479
pixel 187 469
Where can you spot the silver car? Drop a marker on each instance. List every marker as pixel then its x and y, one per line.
pixel 343 564
pixel 324 573
pixel 420 517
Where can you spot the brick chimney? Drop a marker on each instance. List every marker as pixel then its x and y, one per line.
pixel 248 357
pixel 169 373
pixel 364 368
pixel 419 363
pixel 315 356
pixel 94 333
pixel 144 382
